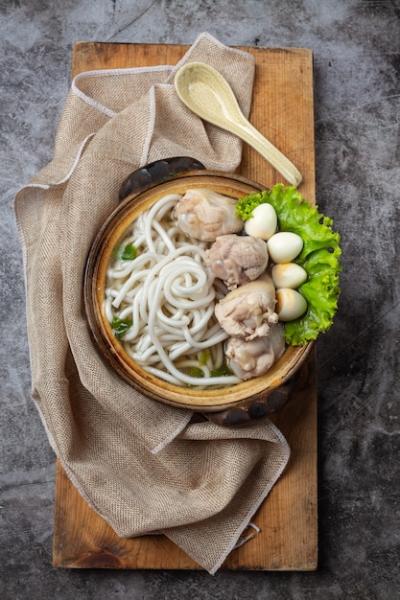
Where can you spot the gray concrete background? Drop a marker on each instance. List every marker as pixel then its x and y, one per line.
pixel 357 63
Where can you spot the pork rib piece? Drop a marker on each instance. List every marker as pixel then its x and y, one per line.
pixel 248 311
pixel 237 259
pixel 204 215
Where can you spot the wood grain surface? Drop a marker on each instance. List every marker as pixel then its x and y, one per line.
pixel 282 109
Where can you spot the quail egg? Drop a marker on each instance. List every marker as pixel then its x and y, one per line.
pixel 290 304
pixel 262 223
pixel 284 246
pixel 288 275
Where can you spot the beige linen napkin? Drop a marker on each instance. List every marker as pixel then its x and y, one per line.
pixel 141 465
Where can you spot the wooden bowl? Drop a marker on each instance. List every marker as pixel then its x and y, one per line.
pixel 205 400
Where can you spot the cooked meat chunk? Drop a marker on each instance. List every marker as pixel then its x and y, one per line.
pixel 248 311
pixel 256 357
pixel 204 215
pixel 237 259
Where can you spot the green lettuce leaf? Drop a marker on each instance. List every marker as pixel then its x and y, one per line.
pixel 320 257
pixel 245 206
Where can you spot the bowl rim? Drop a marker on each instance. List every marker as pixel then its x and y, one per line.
pixel 111 349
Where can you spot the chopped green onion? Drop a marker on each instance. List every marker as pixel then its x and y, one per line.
pixel 204 356
pixel 193 371
pixel 129 252
pixel 221 371
pixel 121 326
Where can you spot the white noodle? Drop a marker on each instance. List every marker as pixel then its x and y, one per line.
pixel 168 293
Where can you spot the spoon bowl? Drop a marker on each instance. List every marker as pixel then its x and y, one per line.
pixel 207 93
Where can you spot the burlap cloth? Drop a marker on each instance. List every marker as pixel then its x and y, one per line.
pixel 142 466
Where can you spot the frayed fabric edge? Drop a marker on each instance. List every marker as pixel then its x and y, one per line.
pixel 256 505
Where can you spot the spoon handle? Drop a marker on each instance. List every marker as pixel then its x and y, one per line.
pixel 254 138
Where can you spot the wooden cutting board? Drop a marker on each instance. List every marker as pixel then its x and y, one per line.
pixel 282 109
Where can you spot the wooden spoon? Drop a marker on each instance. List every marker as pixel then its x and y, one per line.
pixel 209 95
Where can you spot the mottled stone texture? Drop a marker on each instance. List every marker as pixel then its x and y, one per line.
pixel 356 47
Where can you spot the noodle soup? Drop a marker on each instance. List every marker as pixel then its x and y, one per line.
pixel 189 294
